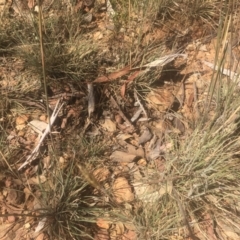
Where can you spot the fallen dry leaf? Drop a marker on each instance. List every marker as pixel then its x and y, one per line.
pixel 40 225
pixel 38 126
pixel 21 120
pixel 129 235
pixel 155 150
pixel 122 157
pixel 158 62
pixel 189 99
pixel 130 78
pixel 118 118
pixel 37 180
pixel 227 231
pixel 27 192
pixel 20 127
pixel 209 226
pixel 97 35
pixel 87 18
pixel 110 10
pixel 4 228
pixel 137 114
pixel 78 5
pixel 122 190
pixel 145 136
pixel 130 226
pixel 46 162
pixel 12 197
pixel 102 223
pixel 177 123
pixel 8 182
pixel 234 76
pixel 119 228
pixel 123 90
pixel 101 174
pixel 164 60
pixel 138 151
pixel 162 126
pixel 113 76
pixel 31 3
pixel 27 225
pixel 160 99
pixel 142 162
pixel 102 234
pixel 43 118
pixel 124 136
pixel 109 125
pixel 146 192
pixel 20 233
pixel 40 236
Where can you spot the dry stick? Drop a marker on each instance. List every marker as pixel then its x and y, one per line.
pixel 43 61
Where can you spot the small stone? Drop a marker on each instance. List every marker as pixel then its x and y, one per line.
pixel 11 219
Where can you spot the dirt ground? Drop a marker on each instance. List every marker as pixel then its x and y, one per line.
pixel 110 113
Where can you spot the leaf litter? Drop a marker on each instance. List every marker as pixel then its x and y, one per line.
pixel 138 131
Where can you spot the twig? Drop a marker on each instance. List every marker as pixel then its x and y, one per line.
pixel 40 26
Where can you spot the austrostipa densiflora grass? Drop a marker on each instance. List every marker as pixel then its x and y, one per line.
pixel 67 53
pixel 201 181
pixel 201 174
pixel 67 206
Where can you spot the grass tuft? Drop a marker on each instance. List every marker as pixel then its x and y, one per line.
pixel 67 206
